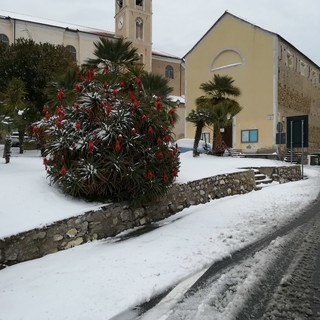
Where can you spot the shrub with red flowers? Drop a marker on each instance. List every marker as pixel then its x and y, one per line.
pixel 113 143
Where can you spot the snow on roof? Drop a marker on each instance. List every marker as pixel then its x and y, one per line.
pixel 177 98
pixel 164 54
pixel 49 22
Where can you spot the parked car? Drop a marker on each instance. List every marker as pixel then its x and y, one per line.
pixel 185 145
pixel 15 139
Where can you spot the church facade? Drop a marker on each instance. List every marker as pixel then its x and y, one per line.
pixel 276 80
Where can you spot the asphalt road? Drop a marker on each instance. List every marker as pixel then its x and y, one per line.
pixel 277 277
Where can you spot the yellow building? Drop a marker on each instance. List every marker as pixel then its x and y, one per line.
pixel 276 81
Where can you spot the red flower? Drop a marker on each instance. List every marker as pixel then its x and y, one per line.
pixel 133 131
pixel 78 125
pixel 171 154
pixel 45 161
pixel 160 154
pixel 172 121
pixel 121 83
pixel 149 174
pixel 150 130
pixel 164 129
pixel 77 86
pixel 117 146
pixel 47 115
pixel 172 111
pixel 143 117
pixel 138 81
pixel 61 115
pixel 60 94
pixel 108 108
pixel 165 177
pixel 135 104
pixel 115 92
pixel 75 105
pixel 158 105
pixel 90 74
pixel 133 97
pixel 106 69
pixel 45 108
pixel 90 146
pixel 35 129
pixel 77 71
pixel 58 110
pixel 166 138
pixel 58 123
pixel 63 171
pixel 80 77
pixel 159 140
pixel 158 98
pixel 175 172
pixel 105 84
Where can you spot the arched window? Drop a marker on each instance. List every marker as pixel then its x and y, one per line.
pixel 73 51
pixel 169 72
pixel 139 29
pixel 4 39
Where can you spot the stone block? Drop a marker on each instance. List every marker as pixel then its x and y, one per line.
pixel 74 243
pixel 72 233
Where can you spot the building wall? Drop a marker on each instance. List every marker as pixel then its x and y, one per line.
pixel 299 91
pixel 248 51
pixel 159 64
pixel 82 41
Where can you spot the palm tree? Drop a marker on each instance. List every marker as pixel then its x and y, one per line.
pixel 116 54
pixel 200 118
pixel 156 85
pixel 217 101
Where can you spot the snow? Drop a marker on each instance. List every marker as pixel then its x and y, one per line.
pixel 101 279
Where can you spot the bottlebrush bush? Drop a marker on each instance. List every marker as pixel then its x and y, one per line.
pixel 114 142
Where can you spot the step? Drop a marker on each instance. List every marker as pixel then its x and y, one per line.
pixel 264 181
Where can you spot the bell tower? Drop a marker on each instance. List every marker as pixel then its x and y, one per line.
pixel 133 21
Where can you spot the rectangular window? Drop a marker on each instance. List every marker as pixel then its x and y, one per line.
pixel 303 69
pixel 249 135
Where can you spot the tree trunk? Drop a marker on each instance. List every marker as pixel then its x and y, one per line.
pixel 21 141
pixel 7 149
pixel 219 145
pixel 197 138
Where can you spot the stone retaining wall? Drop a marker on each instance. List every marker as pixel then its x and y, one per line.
pixel 282 174
pixel 114 218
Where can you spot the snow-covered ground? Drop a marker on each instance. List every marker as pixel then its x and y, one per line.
pixel 100 279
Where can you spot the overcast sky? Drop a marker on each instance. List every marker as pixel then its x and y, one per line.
pixel 179 24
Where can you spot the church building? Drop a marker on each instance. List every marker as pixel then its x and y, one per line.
pixel 278 82
pixel 133 21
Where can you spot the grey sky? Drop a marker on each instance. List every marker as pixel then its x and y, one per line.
pixel 179 24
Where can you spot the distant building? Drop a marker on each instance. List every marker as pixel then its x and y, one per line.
pixel 276 81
